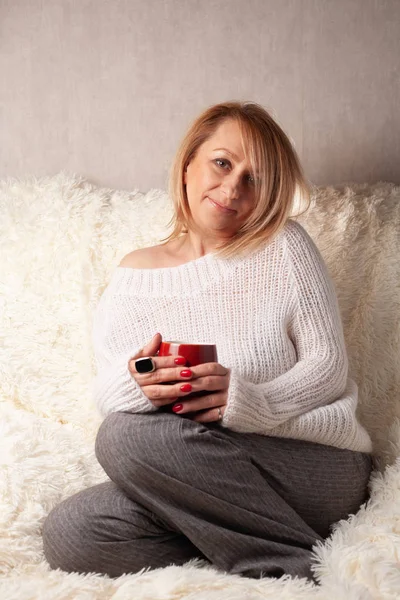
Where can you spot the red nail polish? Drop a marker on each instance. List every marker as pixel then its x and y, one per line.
pixel 186 387
pixel 180 360
pixel 186 373
pixel 177 407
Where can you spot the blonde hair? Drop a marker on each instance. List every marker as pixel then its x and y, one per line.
pixel 279 184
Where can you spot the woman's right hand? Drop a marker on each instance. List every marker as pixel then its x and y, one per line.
pixel 169 370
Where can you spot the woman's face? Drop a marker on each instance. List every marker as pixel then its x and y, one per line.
pixel 219 183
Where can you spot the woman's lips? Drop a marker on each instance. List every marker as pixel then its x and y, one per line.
pixel 221 208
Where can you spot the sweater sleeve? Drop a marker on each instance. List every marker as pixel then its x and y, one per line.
pixel 114 388
pixel 319 376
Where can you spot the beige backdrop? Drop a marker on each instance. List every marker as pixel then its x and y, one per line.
pixel 106 88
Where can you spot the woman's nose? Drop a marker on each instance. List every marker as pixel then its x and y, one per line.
pixel 231 185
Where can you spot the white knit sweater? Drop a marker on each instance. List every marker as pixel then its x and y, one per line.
pixel 275 319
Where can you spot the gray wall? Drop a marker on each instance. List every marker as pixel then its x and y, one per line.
pixel 106 88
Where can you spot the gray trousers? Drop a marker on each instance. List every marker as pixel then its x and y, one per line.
pixel 246 503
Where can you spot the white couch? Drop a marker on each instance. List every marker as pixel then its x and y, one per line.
pixel 60 239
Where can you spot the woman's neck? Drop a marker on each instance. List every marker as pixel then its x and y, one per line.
pixel 193 246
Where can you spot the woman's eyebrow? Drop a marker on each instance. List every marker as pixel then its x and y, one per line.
pixel 228 151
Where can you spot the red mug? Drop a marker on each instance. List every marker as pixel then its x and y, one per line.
pixel 195 354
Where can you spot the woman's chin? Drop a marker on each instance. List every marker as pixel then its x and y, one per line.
pixel 213 229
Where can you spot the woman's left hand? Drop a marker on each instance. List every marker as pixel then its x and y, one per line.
pixel 213 379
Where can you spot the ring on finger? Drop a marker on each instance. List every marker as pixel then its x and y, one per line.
pixel 219 413
pixel 145 365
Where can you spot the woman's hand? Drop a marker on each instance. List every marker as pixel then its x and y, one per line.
pixel 168 369
pixel 211 378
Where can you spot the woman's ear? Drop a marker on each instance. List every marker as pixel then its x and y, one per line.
pixel 186 168
pixel 185 174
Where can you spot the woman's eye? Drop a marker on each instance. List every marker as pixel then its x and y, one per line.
pixel 250 178
pixel 220 160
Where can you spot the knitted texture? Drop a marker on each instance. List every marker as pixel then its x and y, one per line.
pixel 275 319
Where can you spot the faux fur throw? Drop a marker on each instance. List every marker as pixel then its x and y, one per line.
pixel 60 239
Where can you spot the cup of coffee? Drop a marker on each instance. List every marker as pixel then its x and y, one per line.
pixel 195 354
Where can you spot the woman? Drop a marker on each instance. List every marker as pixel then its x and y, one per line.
pixel 251 474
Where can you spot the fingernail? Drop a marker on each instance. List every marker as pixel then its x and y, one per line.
pixel 186 387
pixel 186 373
pixel 177 407
pixel 180 360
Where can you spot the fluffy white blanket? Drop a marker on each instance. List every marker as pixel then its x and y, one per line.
pixel 60 238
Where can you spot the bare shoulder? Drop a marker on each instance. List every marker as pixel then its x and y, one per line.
pixel 143 258
pixel 153 257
